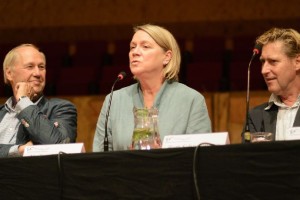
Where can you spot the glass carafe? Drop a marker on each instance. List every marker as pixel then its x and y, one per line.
pixel 145 134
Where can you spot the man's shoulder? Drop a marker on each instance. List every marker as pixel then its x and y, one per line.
pixel 261 106
pixel 57 101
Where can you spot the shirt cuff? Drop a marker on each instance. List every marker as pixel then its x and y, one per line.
pixel 14 151
pixel 22 104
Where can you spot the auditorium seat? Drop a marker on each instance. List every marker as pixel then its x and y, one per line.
pixel 77 81
pixel 208 48
pixel 4 49
pixel 109 74
pixel 257 81
pixel 204 76
pixel 5 90
pixel 54 52
pixel 121 56
pixel 239 75
pixel 243 48
pixel 51 79
pixel 89 53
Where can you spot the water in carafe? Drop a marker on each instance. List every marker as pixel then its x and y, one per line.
pixel 145 134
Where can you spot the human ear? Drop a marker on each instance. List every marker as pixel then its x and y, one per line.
pixel 168 56
pixel 8 73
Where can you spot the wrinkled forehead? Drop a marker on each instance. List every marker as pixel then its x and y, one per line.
pixel 273 50
pixel 29 53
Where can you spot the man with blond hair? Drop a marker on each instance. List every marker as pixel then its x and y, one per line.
pixel 280 60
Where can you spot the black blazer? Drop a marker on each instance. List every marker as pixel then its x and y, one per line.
pixel 261 120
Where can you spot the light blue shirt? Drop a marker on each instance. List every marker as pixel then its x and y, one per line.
pixel 182 110
pixel 10 123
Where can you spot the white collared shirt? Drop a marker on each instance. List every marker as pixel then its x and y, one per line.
pixel 285 116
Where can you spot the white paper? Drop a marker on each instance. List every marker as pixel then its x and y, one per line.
pixel 191 140
pixel 293 134
pixel 39 150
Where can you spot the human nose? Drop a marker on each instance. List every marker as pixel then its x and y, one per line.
pixel 265 68
pixel 36 71
pixel 135 50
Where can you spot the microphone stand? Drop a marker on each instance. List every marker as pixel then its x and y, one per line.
pixel 247 134
pixel 120 77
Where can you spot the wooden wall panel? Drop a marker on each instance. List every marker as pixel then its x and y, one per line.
pixel 229 110
pixel 88 110
pixel 220 110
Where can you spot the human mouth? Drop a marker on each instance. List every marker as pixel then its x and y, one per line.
pixel 269 80
pixel 36 82
pixel 134 62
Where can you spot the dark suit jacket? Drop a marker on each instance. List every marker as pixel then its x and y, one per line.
pixel 261 120
pixel 51 121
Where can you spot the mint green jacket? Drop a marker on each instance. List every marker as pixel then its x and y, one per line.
pixel 182 110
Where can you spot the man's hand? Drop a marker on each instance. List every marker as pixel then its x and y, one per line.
pixel 22 147
pixel 24 89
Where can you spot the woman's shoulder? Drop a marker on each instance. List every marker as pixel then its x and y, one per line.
pixel 184 89
pixel 125 91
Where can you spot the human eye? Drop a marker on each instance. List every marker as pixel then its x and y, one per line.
pixel 147 45
pixel 273 62
pixel 42 67
pixel 131 47
pixel 29 66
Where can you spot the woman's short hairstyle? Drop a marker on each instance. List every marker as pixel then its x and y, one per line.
pixel 166 41
pixel 289 37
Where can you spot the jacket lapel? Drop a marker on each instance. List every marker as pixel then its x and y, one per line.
pixel 297 119
pixel 2 112
pixel 270 118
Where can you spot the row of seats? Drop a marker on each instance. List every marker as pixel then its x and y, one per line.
pixel 215 76
pixel 93 53
pixel 202 76
pixel 213 65
pixel 85 80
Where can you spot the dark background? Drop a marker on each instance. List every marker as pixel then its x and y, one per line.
pixel 216 38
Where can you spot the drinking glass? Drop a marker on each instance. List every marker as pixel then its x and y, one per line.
pixel 262 137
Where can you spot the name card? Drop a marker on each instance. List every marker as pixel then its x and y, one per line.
pixel 40 150
pixel 293 134
pixel 192 140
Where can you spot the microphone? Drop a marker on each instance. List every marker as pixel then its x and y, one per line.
pixel 246 134
pixel 120 77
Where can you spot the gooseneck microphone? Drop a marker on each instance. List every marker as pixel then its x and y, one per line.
pixel 120 77
pixel 246 134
